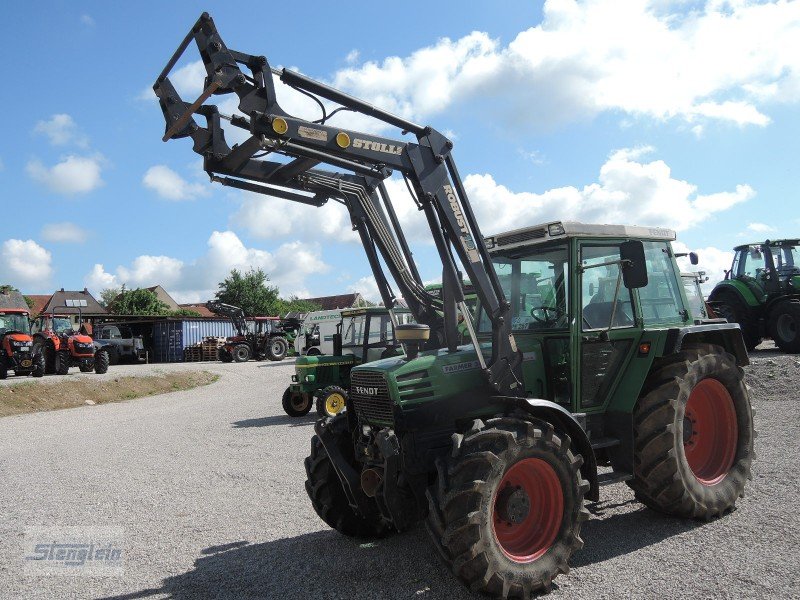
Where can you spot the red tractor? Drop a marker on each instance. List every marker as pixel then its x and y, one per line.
pixel 63 347
pixel 17 351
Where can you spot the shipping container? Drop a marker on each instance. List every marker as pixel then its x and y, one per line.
pixel 171 338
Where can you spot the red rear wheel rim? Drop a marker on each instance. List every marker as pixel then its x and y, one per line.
pixel 534 482
pixel 711 432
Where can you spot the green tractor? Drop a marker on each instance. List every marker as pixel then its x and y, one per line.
pixel 761 292
pixel 584 365
pixel 363 335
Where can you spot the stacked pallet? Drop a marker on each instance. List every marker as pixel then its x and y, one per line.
pixel 207 350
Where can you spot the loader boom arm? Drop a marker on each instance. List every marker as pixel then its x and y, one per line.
pixel 354 167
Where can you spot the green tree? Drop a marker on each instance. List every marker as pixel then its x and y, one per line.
pixel 138 302
pixel 250 291
pixel 295 304
pixel 184 312
pixel 108 295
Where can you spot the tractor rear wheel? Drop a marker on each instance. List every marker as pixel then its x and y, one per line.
pixel 3 367
pixel 241 353
pixel 38 365
pixel 296 404
pixel 331 401
pixel 784 326
pixel 507 508
pixel 693 435
pixel 277 347
pixel 101 361
pixel 327 495
pixel 62 362
pixel 736 311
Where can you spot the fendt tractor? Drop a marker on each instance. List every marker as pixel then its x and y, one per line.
pixel 363 335
pixel 17 352
pixel 64 347
pixel 267 340
pixel 583 354
pixel 761 292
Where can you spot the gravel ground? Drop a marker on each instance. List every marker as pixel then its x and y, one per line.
pixel 208 486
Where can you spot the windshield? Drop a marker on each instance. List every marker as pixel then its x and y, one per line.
pixel 353 331
pixel 62 324
pixel 13 322
pixel 694 296
pixel 786 259
pixel 536 284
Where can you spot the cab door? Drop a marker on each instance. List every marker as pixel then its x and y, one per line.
pixel 607 323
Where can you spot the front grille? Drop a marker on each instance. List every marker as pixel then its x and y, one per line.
pixel 521 236
pixel 369 396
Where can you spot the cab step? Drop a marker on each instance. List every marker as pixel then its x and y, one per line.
pixel 613 477
pixel 604 442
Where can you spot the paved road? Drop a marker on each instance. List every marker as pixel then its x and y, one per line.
pixel 208 486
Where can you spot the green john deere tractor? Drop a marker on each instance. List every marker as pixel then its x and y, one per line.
pixel 761 293
pixel 363 335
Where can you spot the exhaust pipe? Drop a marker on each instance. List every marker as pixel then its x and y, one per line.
pixel 371 480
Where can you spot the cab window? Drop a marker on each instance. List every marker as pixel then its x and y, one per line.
pixel 601 284
pixel 660 299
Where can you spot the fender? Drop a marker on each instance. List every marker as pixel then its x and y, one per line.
pixel 734 286
pixel 726 335
pixel 565 420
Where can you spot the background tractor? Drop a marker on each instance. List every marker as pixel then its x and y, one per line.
pixel 267 339
pixel 583 354
pixel 363 335
pixel 761 292
pixel 17 352
pixel 64 347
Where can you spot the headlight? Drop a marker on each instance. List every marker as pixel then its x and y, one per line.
pixel 311 378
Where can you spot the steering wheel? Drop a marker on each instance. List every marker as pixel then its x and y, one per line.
pixel 547 310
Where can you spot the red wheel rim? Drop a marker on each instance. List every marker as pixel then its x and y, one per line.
pixel 710 432
pixel 524 536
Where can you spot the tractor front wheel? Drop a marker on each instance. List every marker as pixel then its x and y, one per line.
pixel 225 356
pixel 3 367
pixel 296 404
pixel 277 347
pixel 693 435
pixel 101 361
pixel 507 508
pixel 241 353
pixel 327 495
pixel 784 326
pixel 62 362
pixel 331 401
pixel 38 365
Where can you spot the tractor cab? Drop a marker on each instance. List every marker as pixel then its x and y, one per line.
pixel 582 297
pixel 771 267
pixel 367 334
pixel 16 346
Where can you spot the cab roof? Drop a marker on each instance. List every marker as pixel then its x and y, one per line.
pixel 794 242
pixel 563 230
pixel 371 310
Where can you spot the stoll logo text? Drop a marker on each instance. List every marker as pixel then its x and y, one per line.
pixel 366 391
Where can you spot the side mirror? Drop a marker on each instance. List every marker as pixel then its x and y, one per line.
pixel 634 265
pixel 693 258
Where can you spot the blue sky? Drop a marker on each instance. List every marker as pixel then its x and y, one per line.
pixel 673 113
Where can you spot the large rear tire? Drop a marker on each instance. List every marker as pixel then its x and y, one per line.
pixel 784 326
pixel 296 404
pixel 693 435
pixel 735 310
pixel 277 348
pixel 507 508
pixel 62 362
pixel 327 495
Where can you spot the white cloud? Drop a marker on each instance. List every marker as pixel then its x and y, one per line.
pixel 760 228
pixel 168 184
pixel 64 232
pixel 288 267
pixel 71 176
pixel 368 288
pixel 25 263
pixel 62 130
pixel 719 62
pixel 87 20
pixel 713 261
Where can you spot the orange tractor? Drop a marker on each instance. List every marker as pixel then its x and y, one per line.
pixel 64 347
pixel 16 346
